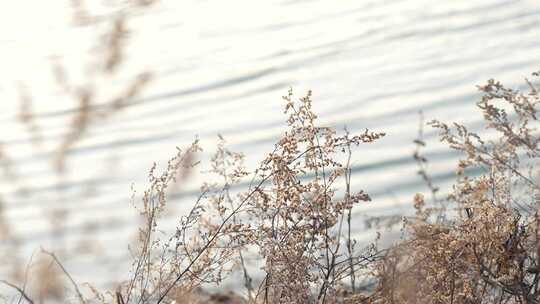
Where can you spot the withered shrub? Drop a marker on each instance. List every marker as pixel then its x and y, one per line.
pixel 290 216
pixel 487 248
pixel 480 246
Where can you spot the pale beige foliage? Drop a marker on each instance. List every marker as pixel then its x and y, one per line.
pixel 290 217
pixel 487 250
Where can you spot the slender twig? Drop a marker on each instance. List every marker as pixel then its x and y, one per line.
pixel 26 276
pixel 348 172
pixel 22 292
pixel 222 225
pixel 75 286
pixel 210 241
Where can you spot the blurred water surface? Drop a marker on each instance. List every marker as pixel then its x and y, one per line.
pixel 222 66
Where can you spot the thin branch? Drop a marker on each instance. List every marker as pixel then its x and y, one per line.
pixel 26 276
pixel 75 286
pixel 23 294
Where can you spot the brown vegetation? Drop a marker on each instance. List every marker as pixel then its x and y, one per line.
pixel 480 244
pixel 290 217
pixel 487 250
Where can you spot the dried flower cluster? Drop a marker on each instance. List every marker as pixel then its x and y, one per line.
pixel 290 217
pixel 479 245
pixel 487 250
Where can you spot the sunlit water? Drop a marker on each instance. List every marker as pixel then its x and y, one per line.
pixel 222 66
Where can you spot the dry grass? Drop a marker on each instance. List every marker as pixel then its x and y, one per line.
pixel 290 217
pixel 478 245
pixel 488 250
